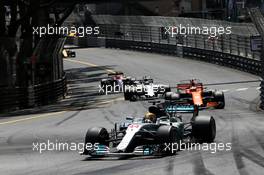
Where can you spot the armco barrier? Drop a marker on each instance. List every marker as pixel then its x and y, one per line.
pixel 224 59
pixel 20 98
pixel 13 98
pixel 143 46
pixel 50 92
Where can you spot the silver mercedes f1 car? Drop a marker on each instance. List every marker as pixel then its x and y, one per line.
pixel 143 89
pixel 151 136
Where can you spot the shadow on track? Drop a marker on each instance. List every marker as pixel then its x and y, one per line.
pixel 83 93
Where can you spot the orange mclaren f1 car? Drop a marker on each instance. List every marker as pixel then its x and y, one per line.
pixel 194 92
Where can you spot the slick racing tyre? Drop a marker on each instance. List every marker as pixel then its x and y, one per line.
pixel 73 54
pixel 204 129
pixel 96 135
pixel 167 138
pixel 220 98
pixel 127 95
pixel 133 97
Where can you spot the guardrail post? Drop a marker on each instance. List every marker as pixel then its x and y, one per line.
pixel 195 41
pixel 150 34
pixel 245 46
pixel 204 40
pixel 222 43
pixel 262 93
pixel 230 44
pixel 31 96
pixel 159 35
pixel 133 38
pixel 213 41
pixel 238 45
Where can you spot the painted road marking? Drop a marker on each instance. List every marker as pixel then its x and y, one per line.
pixel 226 90
pixel 32 118
pixel 88 64
pixel 242 89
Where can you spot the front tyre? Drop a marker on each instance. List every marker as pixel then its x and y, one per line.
pixel 167 138
pixel 204 129
pixel 96 135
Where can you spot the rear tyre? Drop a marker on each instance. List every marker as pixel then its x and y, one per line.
pixel 220 98
pixel 73 54
pixel 127 96
pixel 133 97
pixel 204 129
pixel 96 135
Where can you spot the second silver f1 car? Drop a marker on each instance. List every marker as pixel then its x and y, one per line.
pixel 144 88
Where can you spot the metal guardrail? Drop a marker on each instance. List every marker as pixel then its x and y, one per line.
pixel 50 92
pixel 24 97
pixel 243 29
pixel 231 44
pixel 13 98
pixel 216 57
pixel 232 51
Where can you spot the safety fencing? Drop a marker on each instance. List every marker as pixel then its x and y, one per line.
pixel 232 51
pixel 14 98
pixel 41 78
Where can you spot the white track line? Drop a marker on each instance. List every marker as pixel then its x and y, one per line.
pixel 242 89
pixel 225 90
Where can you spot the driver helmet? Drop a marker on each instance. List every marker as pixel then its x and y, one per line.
pixel 150 117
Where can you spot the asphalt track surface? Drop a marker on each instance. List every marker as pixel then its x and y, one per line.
pixel 240 123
